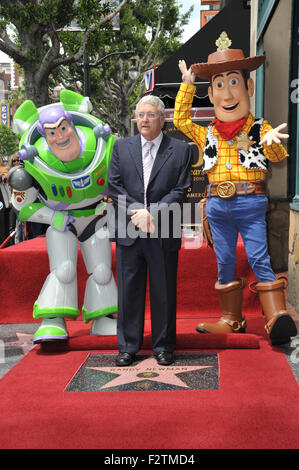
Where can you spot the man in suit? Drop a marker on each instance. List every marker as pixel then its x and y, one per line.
pixel 149 175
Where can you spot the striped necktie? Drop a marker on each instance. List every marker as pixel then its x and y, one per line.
pixel 147 166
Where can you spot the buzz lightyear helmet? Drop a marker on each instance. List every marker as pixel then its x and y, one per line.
pixel 65 181
pixel 27 114
pixel 29 122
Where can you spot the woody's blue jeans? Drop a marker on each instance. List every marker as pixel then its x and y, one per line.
pixel 244 215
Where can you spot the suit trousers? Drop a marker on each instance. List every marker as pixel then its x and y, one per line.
pixel 133 262
pixel 244 215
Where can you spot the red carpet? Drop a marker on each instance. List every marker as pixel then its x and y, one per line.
pixel 255 407
pixel 187 338
pixel 25 266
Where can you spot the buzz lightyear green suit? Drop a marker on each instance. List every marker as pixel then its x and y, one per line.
pixel 66 153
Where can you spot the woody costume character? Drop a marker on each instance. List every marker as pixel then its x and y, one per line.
pixel 236 148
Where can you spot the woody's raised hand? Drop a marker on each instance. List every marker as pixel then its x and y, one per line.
pixel 274 135
pixel 187 76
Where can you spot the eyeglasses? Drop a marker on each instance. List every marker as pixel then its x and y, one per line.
pixel 15 160
pixel 150 116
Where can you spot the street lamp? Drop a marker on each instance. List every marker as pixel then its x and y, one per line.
pixel 87 66
pixel 133 72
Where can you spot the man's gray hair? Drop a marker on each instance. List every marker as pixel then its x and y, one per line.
pixel 154 101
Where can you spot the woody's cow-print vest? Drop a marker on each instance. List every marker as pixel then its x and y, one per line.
pixel 255 157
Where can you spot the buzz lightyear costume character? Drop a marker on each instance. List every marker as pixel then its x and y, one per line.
pixel 66 153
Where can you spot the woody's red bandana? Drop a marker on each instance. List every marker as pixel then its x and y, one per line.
pixel 228 130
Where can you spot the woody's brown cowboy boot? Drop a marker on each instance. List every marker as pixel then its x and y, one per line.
pixel 231 320
pixel 279 324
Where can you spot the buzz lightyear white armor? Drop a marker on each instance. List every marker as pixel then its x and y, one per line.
pixel 66 153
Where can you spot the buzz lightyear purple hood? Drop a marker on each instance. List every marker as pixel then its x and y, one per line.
pixel 52 115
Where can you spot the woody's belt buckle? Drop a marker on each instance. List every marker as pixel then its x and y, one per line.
pixel 226 189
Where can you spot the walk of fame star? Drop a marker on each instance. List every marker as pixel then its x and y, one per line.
pixel 24 341
pixel 148 369
pixel 194 371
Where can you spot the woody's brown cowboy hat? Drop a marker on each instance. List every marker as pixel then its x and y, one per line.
pixel 225 60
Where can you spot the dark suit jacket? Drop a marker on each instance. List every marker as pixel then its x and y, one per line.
pixel 168 184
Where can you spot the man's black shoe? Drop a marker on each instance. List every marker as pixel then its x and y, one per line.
pixel 124 359
pixel 164 358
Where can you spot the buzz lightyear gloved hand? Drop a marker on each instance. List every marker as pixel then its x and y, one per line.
pixel 38 212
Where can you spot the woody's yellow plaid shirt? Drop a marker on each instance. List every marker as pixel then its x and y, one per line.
pixel 226 153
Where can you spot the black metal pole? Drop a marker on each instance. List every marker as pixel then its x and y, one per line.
pixel 86 74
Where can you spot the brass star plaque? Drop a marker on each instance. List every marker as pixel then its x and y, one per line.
pixel 198 371
pixel 243 142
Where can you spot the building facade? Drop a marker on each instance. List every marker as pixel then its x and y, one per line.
pixel 275 32
pixel 213 9
pixel 9 81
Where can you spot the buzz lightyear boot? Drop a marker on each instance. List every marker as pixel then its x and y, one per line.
pixel 58 297
pixel 51 329
pixel 100 299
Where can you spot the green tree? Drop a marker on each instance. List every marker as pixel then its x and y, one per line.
pixel 32 32
pixel 8 141
pixel 153 30
pixel 17 96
